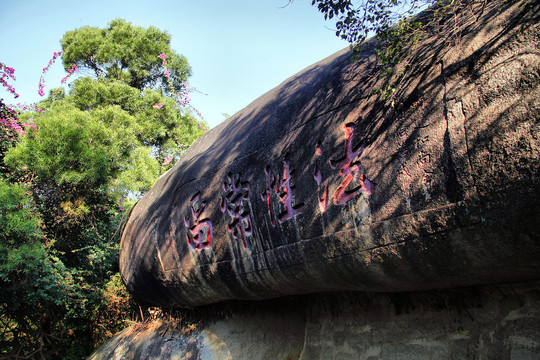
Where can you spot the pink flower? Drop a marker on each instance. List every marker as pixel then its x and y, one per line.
pixel 157 106
pixel 164 58
pixel 70 72
pixel 168 160
pixel 182 98
pixel 41 84
pixel 7 72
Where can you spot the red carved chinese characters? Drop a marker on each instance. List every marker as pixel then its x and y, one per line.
pixel 199 235
pixel 285 196
pixel 283 187
pixel 267 195
pixel 348 168
pixel 280 186
pixel 323 200
pixel 235 192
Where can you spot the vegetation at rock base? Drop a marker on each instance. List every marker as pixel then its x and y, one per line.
pixel 70 169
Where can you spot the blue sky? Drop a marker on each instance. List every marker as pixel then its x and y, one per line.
pixel 238 49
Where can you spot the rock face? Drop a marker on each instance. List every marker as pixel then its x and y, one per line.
pixel 322 185
pixel 491 322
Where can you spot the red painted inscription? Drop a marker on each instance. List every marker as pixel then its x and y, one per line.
pixel 199 235
pixel 232 202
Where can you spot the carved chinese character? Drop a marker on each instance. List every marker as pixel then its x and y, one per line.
pixel 232 202
pixel 323 199
pixel 284 189
pixel 348 167
pixel 286 196
pixel 199 235
pixel 267 195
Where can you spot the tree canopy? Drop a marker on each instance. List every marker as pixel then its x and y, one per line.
pixel 125 53
pixel 68 176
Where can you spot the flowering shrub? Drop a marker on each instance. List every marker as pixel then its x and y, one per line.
pixel 181 97
pixel 14 124
pixel 7 73
pixel 24 107
pixel 12 121
pixel 11 127
pixel 41 85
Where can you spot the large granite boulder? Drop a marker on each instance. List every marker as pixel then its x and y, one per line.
pixel 321 184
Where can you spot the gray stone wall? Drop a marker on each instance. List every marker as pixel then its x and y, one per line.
pixel 490 322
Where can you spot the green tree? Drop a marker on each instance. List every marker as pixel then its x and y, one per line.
pixel 169 129
pixel 8 133
pixel 88 157
pixel 35 284
pixel 105 140
pixel 72 156
pixel 125 53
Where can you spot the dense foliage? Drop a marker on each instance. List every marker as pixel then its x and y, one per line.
pixel 69 173
pixel 356 20
pixel 125 53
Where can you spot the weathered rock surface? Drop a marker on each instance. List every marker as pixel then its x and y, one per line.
pixel 492 322
pixel 321 185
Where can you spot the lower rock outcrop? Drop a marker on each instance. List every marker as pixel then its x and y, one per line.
pixel 490 322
